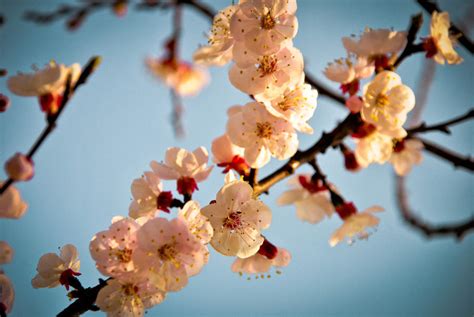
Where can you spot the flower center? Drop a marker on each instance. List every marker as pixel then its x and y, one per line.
pixel 381 101
pixel 398 145
pixel 264 130
pixel 167 252
pixel 289 103
pixel 233 221
pixel 430 47
pixel 267 65
pixel 267 22
pixel 130 289
pixel 124 255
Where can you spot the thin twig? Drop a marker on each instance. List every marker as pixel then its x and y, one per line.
pixel 411 48
pixel 458 230
pixel 442 126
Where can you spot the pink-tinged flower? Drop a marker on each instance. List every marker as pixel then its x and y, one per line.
pixel 6 253
pixel 54 270
pixel 113 249
pixel 259 263
pixel 296 105
pixel 148 196
pixel 406 153
pixel 197 223
pixel 218 52
pixel 47 84
pixel 237 220
pixel 185 78
pixel 268 75
pixel 387 102
pixel 188 168
pixel 261 134
pixel 228 155
pixel 265 25
pixel 7 294
pixel 11 204
pixel 377 46
pixel 311 199
pixel 439 45
pixel 374 148
pixel 4 103
pixel 20 168
pixel 346 70
pixel 170 251
pixel 129 296
pixel 355 223
pixel 354 104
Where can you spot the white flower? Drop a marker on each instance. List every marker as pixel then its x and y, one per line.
pixel 297 105
pixel 228 155
pixel 129 297
pixel 6 252
pixel 54 270
pixel 311 199
pixel 406 153
pixel 237 220
pixel 7 294
pixel 374 148
pixel 188 168
pixel 387 102
pixel 261 134
pixel 375 43
pixel 355 223
pixel 11 204
pixel 258 264
pixel 113 249
pixel 219 50
pixel 171 251
pixel 268 75
pixel 186 79
pixel 264 25
pixel 148 196
pixel 344 71
pixel 19 167
pixel 197 223
pixel 440 45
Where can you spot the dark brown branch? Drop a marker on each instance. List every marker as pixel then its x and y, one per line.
pixel 323 90
pixel 411 48
pixel 68 92
pixel 458 230
pixel 430 7
pixel 456 159
pixel 442 126
pixel 85 301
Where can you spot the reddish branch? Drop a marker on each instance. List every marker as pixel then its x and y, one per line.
pixel 51 125
pixel 458 230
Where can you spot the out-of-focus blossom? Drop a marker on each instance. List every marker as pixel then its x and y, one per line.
pixel 20 168
pixel 259 264
pixel 264 26
pixel 296 105
pixel 355 223
pixel 47 84
pixel 237 220
pixel 261 134
pixel 374 148
pixel 218 52
pixel 6 253
pixel 11 204
pixel 7 294
pixel 188 168
pixel 268 75
pixel 169 250
pixel 440 45
pixel 113 249
pixel 130 296
pixel 354 104
pixel 387 102
pixel 184 78
pixel 406 153
pixel 148 196
pixel 377 45
pixel 345 70
pixel 311 199
pixel 120 8
pixel 4 103
pixel 197 223
pixel 54 270
pixel 228 155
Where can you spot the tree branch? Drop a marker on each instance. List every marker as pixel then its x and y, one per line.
pixel 85 301
pixel 430 7
pixel 411 48
pixel 442 126
pixel 458 230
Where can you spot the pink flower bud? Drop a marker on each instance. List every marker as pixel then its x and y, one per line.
pixel 354 104
pixel 20 168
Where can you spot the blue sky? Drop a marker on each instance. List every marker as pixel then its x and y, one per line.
pixel 119 122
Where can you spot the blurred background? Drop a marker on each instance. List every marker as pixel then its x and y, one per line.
pixel 120 121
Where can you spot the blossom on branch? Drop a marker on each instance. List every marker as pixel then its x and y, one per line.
pixel 374 148
pixel 237 219
pixel 6 253
pixel 148 196
pixel 228 155
pixel 54 270
pixel 7 294
pixel 197 223
pixel 406 153
pixel 20 168
pixel 11 204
